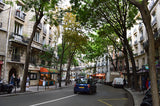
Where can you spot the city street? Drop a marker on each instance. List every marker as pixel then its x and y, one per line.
pixel 105 96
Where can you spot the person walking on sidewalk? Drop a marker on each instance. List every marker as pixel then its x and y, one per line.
pixel 18 81
pixel 12 79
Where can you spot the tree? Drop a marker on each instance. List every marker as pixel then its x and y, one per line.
pixel 40 9
pixel 118 15
pixel 146 17
pixel 75 38
pixel 48 55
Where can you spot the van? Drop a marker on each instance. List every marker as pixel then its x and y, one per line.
pixel 118 83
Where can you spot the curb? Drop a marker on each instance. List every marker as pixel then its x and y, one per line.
pixel 130 94
pixel 32 92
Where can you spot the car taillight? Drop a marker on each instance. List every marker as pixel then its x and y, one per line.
pixel 89 86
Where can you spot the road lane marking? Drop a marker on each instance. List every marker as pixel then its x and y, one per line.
pixel 104 102
pixel 52 100
pixel 114 99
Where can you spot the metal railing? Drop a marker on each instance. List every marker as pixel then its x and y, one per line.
pixel 20 14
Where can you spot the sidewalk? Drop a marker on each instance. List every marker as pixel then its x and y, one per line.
pixel 137 96
pixel 35 89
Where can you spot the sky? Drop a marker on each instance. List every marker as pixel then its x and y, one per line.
pixel 65 3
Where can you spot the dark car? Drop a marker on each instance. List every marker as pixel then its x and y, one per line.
pixel 6 87
pixel 85 86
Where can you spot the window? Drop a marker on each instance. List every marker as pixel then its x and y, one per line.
pixel 36 37
pixel 33 76
pixel 18 28
pixel 44 41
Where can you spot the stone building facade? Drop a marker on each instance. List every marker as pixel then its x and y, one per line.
pixel 15 30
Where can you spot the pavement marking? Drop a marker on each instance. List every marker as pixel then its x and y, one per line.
pixel 52 100
pixel 114 99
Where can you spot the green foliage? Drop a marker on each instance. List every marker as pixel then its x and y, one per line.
pixel 105 13
pixel 48 55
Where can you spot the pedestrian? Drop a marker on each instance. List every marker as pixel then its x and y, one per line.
pixel 18 81
pixel 12 79
pixel 44 81
pixel 147 83
pixel 27 83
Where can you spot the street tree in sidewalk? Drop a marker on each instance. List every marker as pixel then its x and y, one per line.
pixel 118 15
pixel 146 17
pixel 40 8
pixel 75 38
pixel 73 41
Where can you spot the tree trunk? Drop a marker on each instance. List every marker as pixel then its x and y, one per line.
pixel 129 49
pixel 127 67
pixel 146 17
pixel 152 69
pixel 23 85
pixel 68 68
pixel 60 73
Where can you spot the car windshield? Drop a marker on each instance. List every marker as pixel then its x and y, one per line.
pixel 83 81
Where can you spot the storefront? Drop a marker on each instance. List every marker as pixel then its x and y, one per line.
pixel 34 75
pixel 49 75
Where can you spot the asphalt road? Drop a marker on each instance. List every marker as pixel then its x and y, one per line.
pixel 105 96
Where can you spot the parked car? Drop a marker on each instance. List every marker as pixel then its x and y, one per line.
pixel 85 86
pixel 6 87
pixel 117 83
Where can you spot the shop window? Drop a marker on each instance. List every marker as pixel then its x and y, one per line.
pixel 33 76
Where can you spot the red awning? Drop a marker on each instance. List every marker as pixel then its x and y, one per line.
pixel 44 70
pixel 100 75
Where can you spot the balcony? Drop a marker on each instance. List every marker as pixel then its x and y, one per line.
pixel 20 15
pixel 154 21
pixel 19 38
pixel 141 39
pixel 1 5
pixel 39 26
pixel 15 57
pixel 135 43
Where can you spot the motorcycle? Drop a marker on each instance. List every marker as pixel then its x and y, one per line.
pixel 6 87
pixel 147 100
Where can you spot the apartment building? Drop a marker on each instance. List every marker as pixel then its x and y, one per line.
pixel 15 30
pixel 139 40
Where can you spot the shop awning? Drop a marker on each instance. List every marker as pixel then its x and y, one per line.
pixel 48 71
pixel 53 71
pixel 44 70
pixel 100 75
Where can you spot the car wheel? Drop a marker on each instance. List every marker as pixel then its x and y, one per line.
pixel 9 91
pixel 75 92
pixel 90 92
